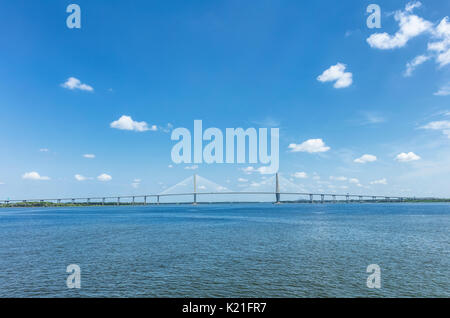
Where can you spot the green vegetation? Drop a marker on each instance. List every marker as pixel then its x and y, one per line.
pixel 33 204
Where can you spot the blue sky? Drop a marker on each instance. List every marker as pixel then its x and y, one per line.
pixel 231 64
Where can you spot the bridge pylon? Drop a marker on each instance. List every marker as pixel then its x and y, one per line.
pixel 277 190
pixel 195 190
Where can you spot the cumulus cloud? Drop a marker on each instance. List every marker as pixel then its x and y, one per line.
pixel 310 146
pixel 441 47
pixel 193 167
pixel 79 177
pixel 248 170
pixel 406 157
pixel 104 177
pixel 365 158
pixel 127 123
pixel 74 83
pixel 261 170
pixel 336 73
pixel 300 175
pixel 242 180
pixel 43 150
pixel 355 181
pixel 381 181
pixel 33 175
pixel 265 170
pixel 89 156
pixel 410 26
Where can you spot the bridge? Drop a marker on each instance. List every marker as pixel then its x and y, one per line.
pixel 277 194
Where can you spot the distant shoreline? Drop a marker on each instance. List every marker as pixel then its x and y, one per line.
pixel 91 204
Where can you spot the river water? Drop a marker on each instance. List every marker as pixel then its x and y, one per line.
pixel 240 250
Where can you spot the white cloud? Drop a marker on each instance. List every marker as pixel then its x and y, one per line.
pixel 74 83
pixel 242 180
pixel 410 26
pixel 89 156
pixel 34 176
pixel 311 146
pixel 442 46
pixel 337 73
pixel 194 167
pixel 353 180
pixel 444 90
pixel 170 166
pixel 438 125
pixel 265 170
pixel 104 177
pixel 411 66
pixel 127 123
pixel 338 178
pixel 79 177
pixel 366 158
pixel 410 6
pixel 136 183
pixel 43 150
pixel 381 181
pixel 406 157
pixel 442 125
pixel 300 175
pixel 248 170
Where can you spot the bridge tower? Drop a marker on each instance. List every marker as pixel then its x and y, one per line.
pixel 277 190
pixel 195 189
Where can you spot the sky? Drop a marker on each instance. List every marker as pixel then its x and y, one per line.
pixel 89 111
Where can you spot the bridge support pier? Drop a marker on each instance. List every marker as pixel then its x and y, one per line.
pixel 133 200
pixel 347 197
pixel 334 198
pixel 145 200
pixel 103 201
pixel 360 199
pixel 118 200
pixel 157 199
pixel 311 199
pixel 322 198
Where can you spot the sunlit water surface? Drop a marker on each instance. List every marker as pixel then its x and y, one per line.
pixel 245 250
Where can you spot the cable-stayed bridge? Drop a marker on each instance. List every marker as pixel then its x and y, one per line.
pixel 195 188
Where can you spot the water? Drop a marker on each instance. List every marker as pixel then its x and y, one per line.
pixel 257 250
